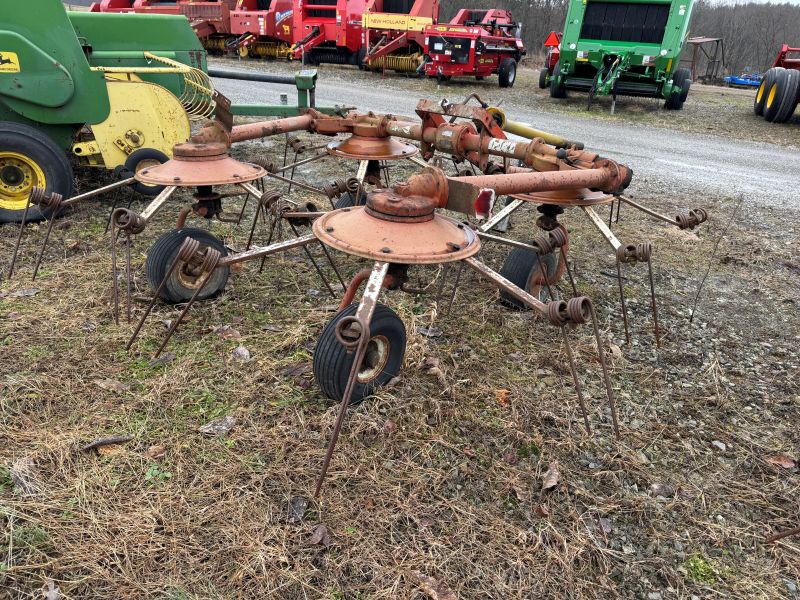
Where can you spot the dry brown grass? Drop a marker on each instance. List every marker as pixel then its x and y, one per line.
pixel 430 477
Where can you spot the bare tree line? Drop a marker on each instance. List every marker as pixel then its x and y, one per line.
pixel 752 32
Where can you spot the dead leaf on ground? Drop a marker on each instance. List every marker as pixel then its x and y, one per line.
pixel 112 385
pixel 320 536
pixel 297 369
pixel 218 426
pixel 662 489
pixel 241 354
pixel 23 476
pixel 605 525
pixel 110 449
pixel 272 328
pixel 782 460
pixel 435 589
pixel 542 511
pixel 431 367
pixel 431 331
pixel 157 451
pixel 24 293
pixel 162 360
pixel 50 591
pixel 616 351
pixel 551 478
pixel 468 451
pixel 297 509
pixel 503 397
pixel 389 427
pixel 226 332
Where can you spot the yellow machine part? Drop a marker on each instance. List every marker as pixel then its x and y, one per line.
pixel 143 115
pixel 523 130
pixel 406 63
pixel 394 21
pixel 265 50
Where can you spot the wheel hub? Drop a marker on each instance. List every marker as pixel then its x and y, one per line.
pixel 375 359
pixel 18 175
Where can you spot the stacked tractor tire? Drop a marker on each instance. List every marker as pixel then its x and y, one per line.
pixel 779 91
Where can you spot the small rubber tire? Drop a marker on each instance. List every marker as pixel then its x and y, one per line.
pixel 164 252
pixel 761 93
pixel 442 78
pixel 50 159
pixel 507 72
pixel 346 200
pixel 142 159
pixel 385 353
pixel 521 268
pixel 557 87
pixel 675 102
pixel 790 96
pixel 543 73
pixel 775 94
pixel 479 77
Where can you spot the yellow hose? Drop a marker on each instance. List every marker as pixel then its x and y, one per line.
pixel 526 131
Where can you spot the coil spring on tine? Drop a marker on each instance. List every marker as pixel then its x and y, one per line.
pixel 298 145
pixel 353 185
pixel 334 188
pixel 544 244
pixel 626 254
pixel 557 312
pixel 266 164
pixel 268 198
pixel 695 217
pixel 188 249
pixel 38 196
pixel 210 260
pixel 579 310
pixel 129 221
pixel 644 251
pixel 349 331
pixel 558 237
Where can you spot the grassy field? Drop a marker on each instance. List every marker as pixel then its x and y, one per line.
pixel 470 477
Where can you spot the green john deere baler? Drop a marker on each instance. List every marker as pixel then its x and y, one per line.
pixel 624 47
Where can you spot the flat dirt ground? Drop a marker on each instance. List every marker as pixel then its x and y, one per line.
pixel 471 476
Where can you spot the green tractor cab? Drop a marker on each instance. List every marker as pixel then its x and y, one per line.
pixel 623 47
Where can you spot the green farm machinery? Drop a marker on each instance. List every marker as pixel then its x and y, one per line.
pixel 622 47
pixel 115 91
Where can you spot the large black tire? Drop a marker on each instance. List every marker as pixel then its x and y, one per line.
pixel 775 93
pixel 557 87
pixel 359 57
pixel 790 96
pixel 521 268
pixel 346 200
pixel 763 90
pixel 683 76
pixel 29 158
pixel 507 72
pixel 384 357
pixel 682 79
pixel 142 159
pixel 543 73
pixel 181 285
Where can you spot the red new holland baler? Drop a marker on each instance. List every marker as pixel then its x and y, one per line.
pixel 327 31
pixel 475 43
pixel 393 33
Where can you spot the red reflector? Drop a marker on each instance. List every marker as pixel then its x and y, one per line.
pixel 552 39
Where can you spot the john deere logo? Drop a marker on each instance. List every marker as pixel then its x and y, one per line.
pixel 9 62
